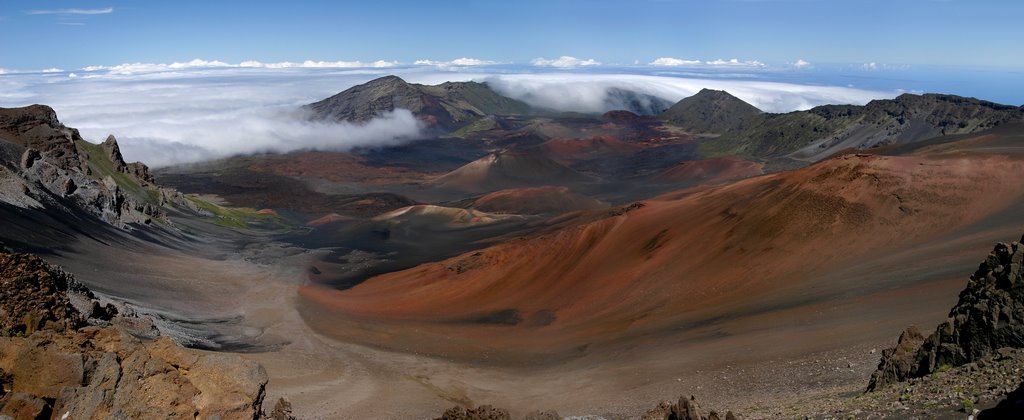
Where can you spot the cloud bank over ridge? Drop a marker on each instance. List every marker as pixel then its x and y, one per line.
pixel 184 112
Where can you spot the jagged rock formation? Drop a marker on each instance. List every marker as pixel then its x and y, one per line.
pixel 988 316
pixel 897 361
pixel 56 168
pixel 36 127
pixel 449 105
pixel 53 364
pixel 685 409
pixel 483 412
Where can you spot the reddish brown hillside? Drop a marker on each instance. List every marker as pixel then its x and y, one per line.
pixel 676 260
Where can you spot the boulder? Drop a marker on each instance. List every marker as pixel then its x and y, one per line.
pixel 898 362
pixel 19 405
pixel 483 412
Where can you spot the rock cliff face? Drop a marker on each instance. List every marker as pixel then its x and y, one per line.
pixel 57 361
pixel 988 316
pixel 46 164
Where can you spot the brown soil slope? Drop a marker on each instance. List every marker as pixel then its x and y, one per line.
pixel 539 200
pixel 678 261
pixel 711 171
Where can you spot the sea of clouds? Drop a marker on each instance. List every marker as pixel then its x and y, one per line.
pixel 166 114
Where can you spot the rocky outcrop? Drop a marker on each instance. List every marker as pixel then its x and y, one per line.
pixel 56 361
pixel 685 409
pixel 898 362
pixel 36 127
pixel 57 168
pixel 988 316
pixel 34 296
pixel 483 412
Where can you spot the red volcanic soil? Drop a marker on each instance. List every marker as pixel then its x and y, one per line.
pixel 680 263
pixel 539 200
pixel 505 170
pixel 335 167
pixel 710 171
pixel 587 148
pixel 327 219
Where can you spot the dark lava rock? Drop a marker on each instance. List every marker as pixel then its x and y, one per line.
pixel 32 296
pixel 282 410
pixel 684 409
pixel 543 415
pixel 483 412
pixel 988 316
pixel 898 362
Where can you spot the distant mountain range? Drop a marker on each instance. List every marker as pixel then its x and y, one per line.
pixel 734 127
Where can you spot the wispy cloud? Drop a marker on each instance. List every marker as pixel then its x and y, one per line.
pixel 673 62
pixel 735 62
pixel 564 62
pixel 681 62
pixel 873 66
pixel 458 62
pixel 101 11
pixel 801 63
pixel 140 68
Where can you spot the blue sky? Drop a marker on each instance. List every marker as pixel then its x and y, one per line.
pixel 75 34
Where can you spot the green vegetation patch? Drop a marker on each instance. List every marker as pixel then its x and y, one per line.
pixel 102 167
pixel 234 217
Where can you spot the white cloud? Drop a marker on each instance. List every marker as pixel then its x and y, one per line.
pixel 674 62
pixel 102 11
pixel 735 62
pixel 136 68
pixel 873 66
pixel 458 62
pixel 564 62
pixel 52 70
pixel 801 63
pixel 680 62
pixel 4 71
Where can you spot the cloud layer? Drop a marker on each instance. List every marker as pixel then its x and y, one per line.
pixel 681 62
pixel 165 114
pixel 101 11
